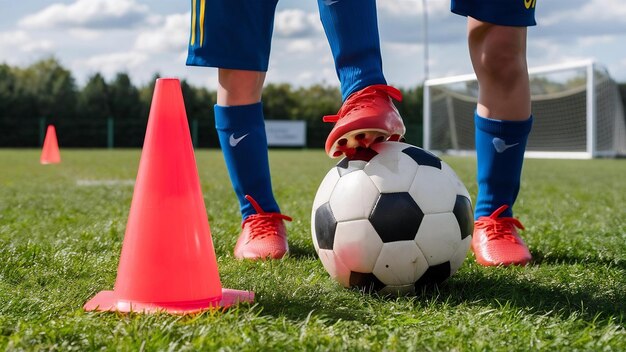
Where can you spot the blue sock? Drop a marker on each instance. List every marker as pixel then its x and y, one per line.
pixel 241 130
pixel 351 27
pixel 500 147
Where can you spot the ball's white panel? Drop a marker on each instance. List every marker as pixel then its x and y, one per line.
pixel 400 263
pixel 335 267
pixel 357 244
pixel 356 164
pixel 433 191
pixel 458 257
pixel 325 188
pixel 456 181
pixel 392 171
pixel 353 197
pixel 438 237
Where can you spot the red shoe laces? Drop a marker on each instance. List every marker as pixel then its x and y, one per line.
pixel 364 98
pixel 263 224
pixel 499 228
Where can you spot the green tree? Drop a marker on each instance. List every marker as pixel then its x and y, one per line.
pixel 8 95
pixel 279 101
pixel 93 109
pixel 50 87
pixel 16 113
pixel 126 111
pixel 313 103
pixel 145 95
pixel 411 110
pixel 124 98
pixel 199 106
pixel 94 100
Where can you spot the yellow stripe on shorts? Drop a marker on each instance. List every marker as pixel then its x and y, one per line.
pixel 202 7
pixel 193 22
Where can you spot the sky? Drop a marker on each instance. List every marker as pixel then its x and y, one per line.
pixel 144 37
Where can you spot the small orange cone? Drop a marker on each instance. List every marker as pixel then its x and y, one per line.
pixel 50 152
pixel 168 261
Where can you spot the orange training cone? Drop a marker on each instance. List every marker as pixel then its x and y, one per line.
pixel 168 261
pixel 50 152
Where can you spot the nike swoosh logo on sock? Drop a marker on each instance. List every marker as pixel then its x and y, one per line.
pixel 330 2
pixel 234 141
pixel 501 145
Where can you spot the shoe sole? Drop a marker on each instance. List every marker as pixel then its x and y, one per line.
pixel 349 143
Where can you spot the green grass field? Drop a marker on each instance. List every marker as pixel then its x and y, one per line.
pixel 61 234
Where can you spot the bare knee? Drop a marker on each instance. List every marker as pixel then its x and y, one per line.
pixel 498 53
pixel 239 87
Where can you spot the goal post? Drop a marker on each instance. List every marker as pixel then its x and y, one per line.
pixel 577 109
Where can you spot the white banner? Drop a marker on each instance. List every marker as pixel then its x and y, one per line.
pixel 285 133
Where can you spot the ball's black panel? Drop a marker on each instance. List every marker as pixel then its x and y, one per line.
pixel 423 157
pixel 367 282
pixel 396 217
pixel 435 274
pixel 347 166
pixel 343 163
pixel 325 225
pixel 464 215
pixel 362 154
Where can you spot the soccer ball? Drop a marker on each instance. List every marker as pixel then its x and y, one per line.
pixel 392 220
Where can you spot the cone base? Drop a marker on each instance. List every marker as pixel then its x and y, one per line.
pixel 107 301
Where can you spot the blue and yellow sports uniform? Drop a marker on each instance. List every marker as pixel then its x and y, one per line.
pixel 233 34
pixel 237 34
pixel 519 13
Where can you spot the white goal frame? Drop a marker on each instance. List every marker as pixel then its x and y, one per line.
pixel 591 150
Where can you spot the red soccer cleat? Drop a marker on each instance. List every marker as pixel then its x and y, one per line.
pixel 366 117
pixel 496 241
pixel 263 235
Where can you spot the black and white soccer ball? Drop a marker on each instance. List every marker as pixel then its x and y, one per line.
pixel 393 222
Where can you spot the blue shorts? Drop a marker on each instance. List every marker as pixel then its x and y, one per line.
pixel 517 13
pixel 233 34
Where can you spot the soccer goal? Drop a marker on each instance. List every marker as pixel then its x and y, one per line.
pixel 577 109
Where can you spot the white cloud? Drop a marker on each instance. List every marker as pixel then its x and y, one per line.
pixel 300 46
pixel 21 41
pixel 89 14
pixel 38 46
pixel 292 23
pixel 171 36
pixel 109 64
pixel 602 39
pixel 414 8
pixel 147 36
pixel 85 34
pixel 597 10
pixel 13 38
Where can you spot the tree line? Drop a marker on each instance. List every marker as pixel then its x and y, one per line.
pixel 46 93
pixel 89 116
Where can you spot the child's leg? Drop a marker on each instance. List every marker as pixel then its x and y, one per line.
pixel 241 129
pixel 503 113
pixel 502 125
pixel 368 114
pixel 352 30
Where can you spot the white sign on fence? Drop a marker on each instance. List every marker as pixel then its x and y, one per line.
pixel 285 133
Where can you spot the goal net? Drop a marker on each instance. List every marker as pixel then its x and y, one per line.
pixel 577 110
